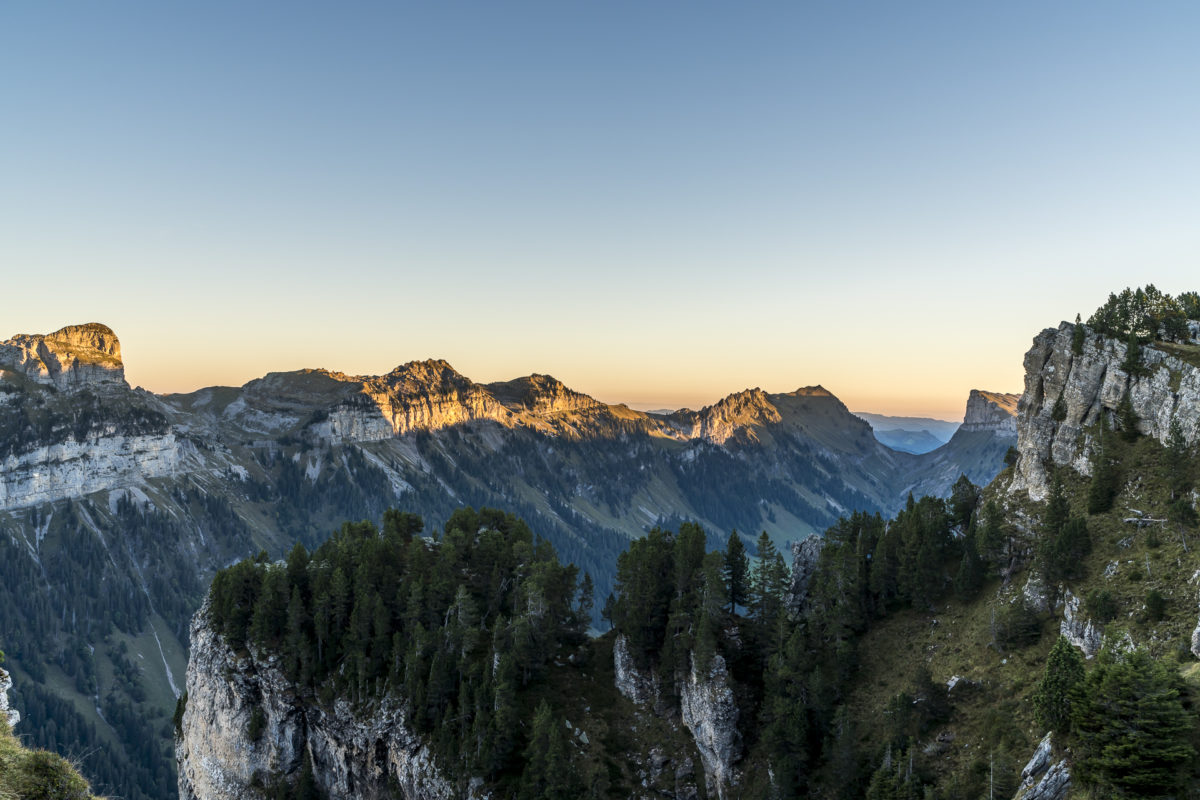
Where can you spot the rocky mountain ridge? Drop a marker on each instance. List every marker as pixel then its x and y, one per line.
pixel 154 492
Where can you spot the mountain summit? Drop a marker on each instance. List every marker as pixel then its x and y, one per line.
pixel 73 357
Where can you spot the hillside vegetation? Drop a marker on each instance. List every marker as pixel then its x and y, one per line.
pixel 927 656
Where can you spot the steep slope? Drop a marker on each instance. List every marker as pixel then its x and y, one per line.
pixel 117 505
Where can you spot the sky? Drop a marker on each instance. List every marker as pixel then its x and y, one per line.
pixel 658 203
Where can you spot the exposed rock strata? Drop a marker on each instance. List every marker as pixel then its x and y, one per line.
pixel 1087 384
pixel 639 687
pixel 991 411
pixel 73 469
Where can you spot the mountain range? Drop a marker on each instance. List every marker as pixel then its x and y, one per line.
pixel 117 504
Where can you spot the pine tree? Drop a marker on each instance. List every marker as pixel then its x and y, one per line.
pixel 1132 732
pixel 768 582
pixel 548 773
pixel 1127 419
pixel 1058 510
pixel 1052 697
pixel 1077 337
pixel 964 496
pixel 1132 365
pixel 587 600
pixel 736 572
pixel 969 578
pixel 270 612
pixel 1103 487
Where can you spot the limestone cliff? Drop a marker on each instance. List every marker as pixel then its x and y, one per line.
pixel 1065 393
pixel 70 425
pixel 991 411
pixel 74 357
pixel 71 468
pixel 221 757
pixel 711 714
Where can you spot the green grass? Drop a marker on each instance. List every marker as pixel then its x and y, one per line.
pixel 995 714
pixel 1188 353
pixel 36 774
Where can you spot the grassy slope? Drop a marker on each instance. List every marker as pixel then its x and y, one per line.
pixel 36 773
pixel 993 713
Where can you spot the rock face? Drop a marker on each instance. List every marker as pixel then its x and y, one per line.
pixel 1196 640
pixel 9 713
pixel 74 357
pixel 711 714
pixel 73 469
pixel 805 557
pixel 1087 385
pixel 1041 779
pixel 991 411
pixel 1079 631
pixel 351 757
pixel 636 686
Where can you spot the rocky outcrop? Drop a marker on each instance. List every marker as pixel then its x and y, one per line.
pixel 1042 778
pixel 1078 630
pixel 739 413
pixel 711 714
pixel 351 757
pixel 74 357
pixel 640 688
pixel 806 555
pixel 1081 387
pixel 6 711
pixel 542 395
pixel 708 711
pixel 991 411
pixel 1196 640
pixel 73 469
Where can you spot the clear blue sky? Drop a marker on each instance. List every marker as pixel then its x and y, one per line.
pixel 656 202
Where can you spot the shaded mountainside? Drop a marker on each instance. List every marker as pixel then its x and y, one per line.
pixel 117 505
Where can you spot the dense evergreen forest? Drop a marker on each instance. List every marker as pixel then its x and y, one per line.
pixel 472 625
pixel 459 627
